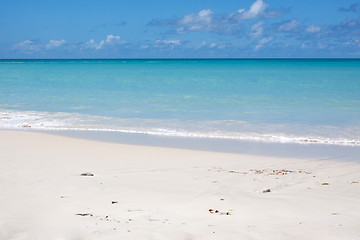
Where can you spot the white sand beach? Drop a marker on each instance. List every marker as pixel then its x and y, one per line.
pixel 142 192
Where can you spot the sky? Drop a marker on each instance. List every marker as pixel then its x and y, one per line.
pixel 179 29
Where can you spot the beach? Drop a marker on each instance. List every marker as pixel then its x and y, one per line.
pixel 179 120
pixel 59 187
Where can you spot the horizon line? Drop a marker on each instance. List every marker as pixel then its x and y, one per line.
pixel 193 58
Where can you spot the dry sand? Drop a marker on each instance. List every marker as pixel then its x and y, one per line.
pixel 141 192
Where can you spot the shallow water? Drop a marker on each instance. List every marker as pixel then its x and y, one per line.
pixel 301 101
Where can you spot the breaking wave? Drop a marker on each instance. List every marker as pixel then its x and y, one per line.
pixel 224 129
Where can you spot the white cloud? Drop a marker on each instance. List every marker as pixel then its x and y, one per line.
pixel 27 46
pixel 205 15
pixel 171 43
pixel 212 45
pixel 304 46
pixel 100 45
pixel 262 42
pixel 314 45
pixel 175 42
pixel 197 22
pixel 215 45
pixel 180 30
pixel 92 44
pixel 313 29
pixel 222 46
pixel 55 43
pixel 197 45
pixel 256 10
pixel 110 40
pixel 289 26
pixel 229 24
pixel 257 29
pixel 168 42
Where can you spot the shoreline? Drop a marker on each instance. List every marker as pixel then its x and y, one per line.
pixel 152 192
pixel 217 129
pixel 257 148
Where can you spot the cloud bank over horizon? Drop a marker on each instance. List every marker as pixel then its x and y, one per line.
pixel 256 30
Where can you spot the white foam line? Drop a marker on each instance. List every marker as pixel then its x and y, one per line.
pixel 46 121
pixel 174 133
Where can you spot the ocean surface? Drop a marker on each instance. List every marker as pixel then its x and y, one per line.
pixel 311 101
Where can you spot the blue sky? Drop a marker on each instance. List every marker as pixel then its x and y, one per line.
pixel 179 29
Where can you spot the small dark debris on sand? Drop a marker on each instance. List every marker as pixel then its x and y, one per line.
pixel 212 211
pixel 84 214
pixel 113 202
pixel 266 191
pixel 277 171
pixel 87 174
pixel 325 184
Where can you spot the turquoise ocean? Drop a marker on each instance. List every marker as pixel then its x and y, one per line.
pixel 313 101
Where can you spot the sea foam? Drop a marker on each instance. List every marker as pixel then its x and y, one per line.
pixel 85 122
